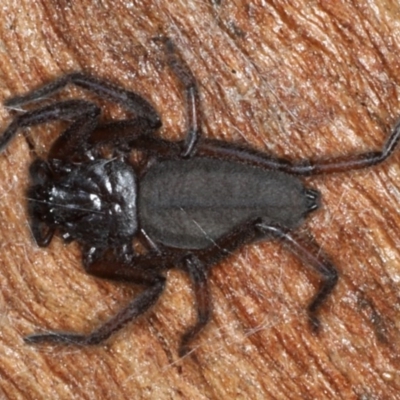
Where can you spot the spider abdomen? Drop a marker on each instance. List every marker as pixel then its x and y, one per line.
pixel 192 203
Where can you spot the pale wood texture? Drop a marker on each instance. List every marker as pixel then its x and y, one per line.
pixel 293 78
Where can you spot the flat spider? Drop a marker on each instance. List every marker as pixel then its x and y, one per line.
pixel 190 204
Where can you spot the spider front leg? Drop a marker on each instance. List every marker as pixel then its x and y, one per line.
pixel 85 133
pixel 105 90
pixel 111 268
pixel 82 111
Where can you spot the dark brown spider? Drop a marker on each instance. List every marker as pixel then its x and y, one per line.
pixel 192 203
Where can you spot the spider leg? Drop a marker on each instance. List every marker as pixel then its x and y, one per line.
pixel 85 133
pixel 128 134
pixel 198 275
pixel 65 110
pixel 187 79
pixel 198 266
pixel 113 269
pixel 126 98
pixel 135 308
pixel 218 149
pixel 136 133
pixel 312 256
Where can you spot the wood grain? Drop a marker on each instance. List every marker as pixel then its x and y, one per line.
pixel 292 78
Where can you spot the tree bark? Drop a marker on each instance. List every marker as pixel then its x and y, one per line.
pixel 292 78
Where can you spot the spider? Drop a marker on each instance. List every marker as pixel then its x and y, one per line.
pixel 189 203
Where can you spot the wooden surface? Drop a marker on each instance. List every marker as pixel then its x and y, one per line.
pixel 293 78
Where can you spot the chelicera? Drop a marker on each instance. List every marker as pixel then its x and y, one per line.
pixel 189 203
